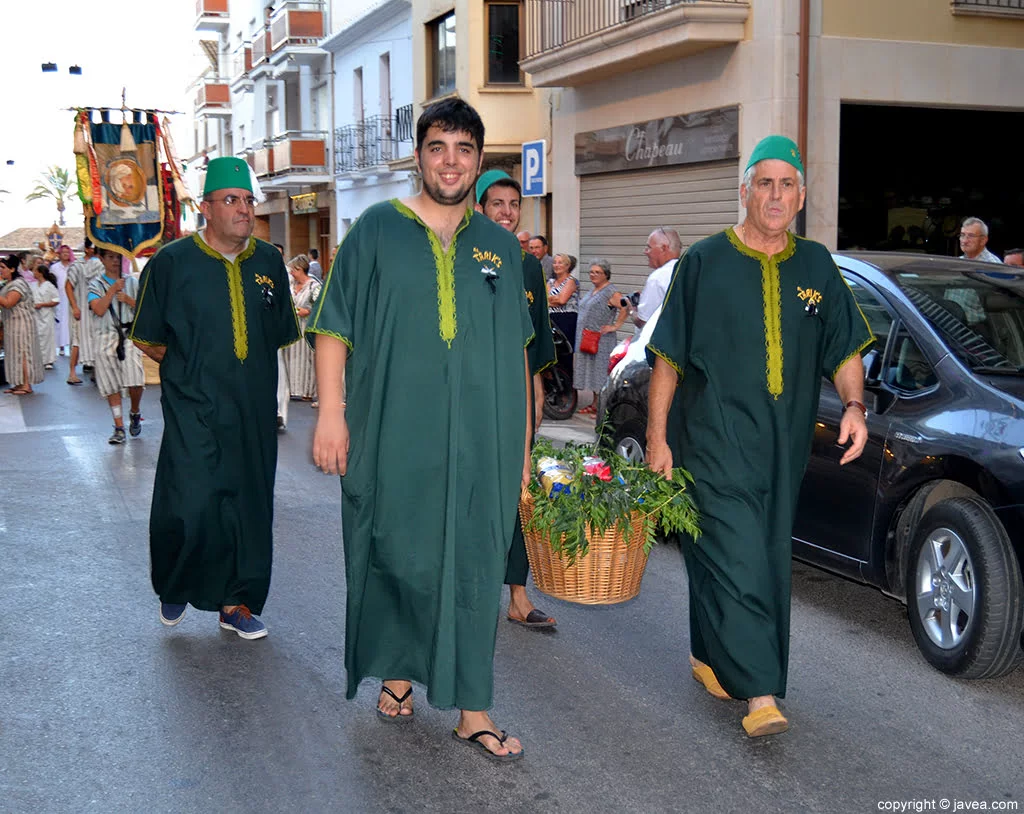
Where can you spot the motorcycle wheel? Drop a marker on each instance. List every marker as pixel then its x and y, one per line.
pixel 559 396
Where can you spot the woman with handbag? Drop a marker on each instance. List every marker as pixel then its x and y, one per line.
pixel 601 314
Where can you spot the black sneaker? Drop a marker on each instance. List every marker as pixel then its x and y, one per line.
pixel 134 423
pixel 280 422
pixel 118 437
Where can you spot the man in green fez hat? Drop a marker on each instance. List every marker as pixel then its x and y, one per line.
pixel 753 319
pixel 213 311
pixel 499 197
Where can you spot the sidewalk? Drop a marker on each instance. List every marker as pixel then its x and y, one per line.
pixel 579 428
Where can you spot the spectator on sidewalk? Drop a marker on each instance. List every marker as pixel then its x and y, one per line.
pixel 974 239
pixel 315 271
pixel 539 249
pixel 524 242
pixel 1014 257
pixel 663 249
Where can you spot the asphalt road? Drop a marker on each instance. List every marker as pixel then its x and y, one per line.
pixel 102 709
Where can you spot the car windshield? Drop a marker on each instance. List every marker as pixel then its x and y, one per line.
pixel 978 314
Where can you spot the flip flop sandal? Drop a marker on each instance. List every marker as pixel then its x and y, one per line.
pixel 76 382
pixel 765 721
pixel 400 701
pixel 534 619
pixel 706 676
pixel 473 741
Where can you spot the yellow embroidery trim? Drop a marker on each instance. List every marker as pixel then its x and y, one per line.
pixel 771 295
pixel 325 332
pixel 529 296
pixel 668 361
pixel 444 263
pixel 809 295
pixel 855 353
pixel 236 293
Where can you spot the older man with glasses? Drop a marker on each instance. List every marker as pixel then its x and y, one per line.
pixel 213 310
pixel 973 238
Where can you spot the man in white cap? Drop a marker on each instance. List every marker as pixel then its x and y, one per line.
pixel 213 310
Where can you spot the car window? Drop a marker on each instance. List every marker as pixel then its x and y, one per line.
pixel 876 314
pixel 908 369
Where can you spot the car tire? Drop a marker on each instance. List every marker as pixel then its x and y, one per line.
pixel 560 401
pixel 629 441
pixel 964 590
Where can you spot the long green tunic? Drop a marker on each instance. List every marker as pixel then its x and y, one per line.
pixel 540 355
pixel 211 521
pixel 436 392
pixel 751 337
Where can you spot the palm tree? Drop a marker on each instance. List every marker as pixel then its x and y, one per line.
pixel 56 184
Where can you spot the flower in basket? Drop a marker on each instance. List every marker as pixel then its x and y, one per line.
pixel 578 495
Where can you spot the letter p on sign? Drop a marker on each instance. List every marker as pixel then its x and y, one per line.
pixel 533 168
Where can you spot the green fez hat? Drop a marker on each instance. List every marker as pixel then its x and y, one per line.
pixel 779 147
pixel 485 181
pixel 227 172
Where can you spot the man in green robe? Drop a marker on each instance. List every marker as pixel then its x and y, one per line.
pixel 499 198
pixel 420 336
pixel 213 310
pixel 753 319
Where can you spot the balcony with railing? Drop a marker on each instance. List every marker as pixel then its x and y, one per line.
pixel 373 142
pixel 296 28
pixel 213 98
pixel 994 8
pixel 212 16
pixel 291 159
pixel 570 44
pixel 260 48
pixel 241 65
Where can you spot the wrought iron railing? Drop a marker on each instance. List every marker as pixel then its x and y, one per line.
pixel 998 6
pixel 374 141
pixel 551 24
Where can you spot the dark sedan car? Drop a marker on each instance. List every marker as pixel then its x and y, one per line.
pixel 933 511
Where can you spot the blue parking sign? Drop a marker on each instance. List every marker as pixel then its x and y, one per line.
pixel 533 168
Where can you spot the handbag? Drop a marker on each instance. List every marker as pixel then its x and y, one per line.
pixel 590 341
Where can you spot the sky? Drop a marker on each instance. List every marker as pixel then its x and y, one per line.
pixel 146 46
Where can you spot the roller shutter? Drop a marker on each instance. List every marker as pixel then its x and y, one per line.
pixel 618 210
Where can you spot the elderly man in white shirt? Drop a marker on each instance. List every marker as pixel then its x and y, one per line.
pixel 973 237
pixel 663 249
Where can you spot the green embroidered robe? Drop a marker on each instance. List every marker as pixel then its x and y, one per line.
pixel 751 337
pixel 211 521
pixel 436 393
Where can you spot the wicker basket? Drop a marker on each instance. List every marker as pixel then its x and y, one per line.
pixel 610 572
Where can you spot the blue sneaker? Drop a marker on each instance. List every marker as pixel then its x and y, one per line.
pixel 171 614
pixel 243 623
pixel 134 424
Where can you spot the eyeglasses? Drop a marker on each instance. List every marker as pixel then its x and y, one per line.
pixel 234 200
pixel 970 235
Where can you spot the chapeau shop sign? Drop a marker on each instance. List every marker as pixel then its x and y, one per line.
pixel 708 135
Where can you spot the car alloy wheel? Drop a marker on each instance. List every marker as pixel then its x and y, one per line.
pixel 964 592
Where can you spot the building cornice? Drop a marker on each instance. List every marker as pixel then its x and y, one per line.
pixel 381 15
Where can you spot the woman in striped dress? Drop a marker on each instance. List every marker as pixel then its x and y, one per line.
pixel 298 357
pixel 22 360
pixel 46 301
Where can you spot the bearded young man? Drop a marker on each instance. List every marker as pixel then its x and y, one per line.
pixel 213 310
pixel 420 361
pixel 753 319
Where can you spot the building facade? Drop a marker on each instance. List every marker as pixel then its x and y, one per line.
pixel 373 110
pixel 660 103
pixel 269 102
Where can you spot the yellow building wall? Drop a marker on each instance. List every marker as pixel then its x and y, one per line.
pixel 918 21
pixel 511 115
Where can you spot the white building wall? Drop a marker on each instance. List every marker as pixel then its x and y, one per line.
pixel 384 29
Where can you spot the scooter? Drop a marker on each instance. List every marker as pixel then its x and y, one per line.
pixel 559 396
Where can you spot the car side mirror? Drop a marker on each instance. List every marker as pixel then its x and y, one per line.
pixel 872 368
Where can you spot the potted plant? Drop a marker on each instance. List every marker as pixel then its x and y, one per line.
pixel 590 522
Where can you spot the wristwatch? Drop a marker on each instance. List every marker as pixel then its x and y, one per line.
pixel 859 405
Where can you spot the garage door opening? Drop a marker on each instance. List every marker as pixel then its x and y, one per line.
pixel 908 176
